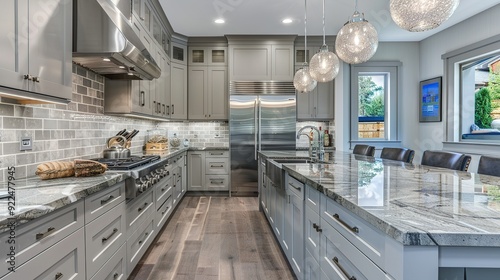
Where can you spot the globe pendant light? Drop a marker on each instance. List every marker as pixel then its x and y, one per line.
pixel 357 40
pixel 421 15
pixel 302 81
pixel 324 65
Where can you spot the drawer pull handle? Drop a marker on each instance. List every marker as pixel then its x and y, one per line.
pixel 140 208
pixel 317 228
pixel 43 235
pixel 218 166
pixel 104 201
pixel 336 261
pixel 145 234
pixel 216 154
pixel 104 239
pixel 163 213
pixel 115 276
pixel 295 187
pixel 353 229
pixel 59 275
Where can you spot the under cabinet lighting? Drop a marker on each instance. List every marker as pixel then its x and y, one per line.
pixel 106 59
pixel 121 67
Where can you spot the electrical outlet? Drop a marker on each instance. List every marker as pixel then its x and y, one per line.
pixel 26 144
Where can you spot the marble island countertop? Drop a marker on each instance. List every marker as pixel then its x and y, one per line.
pixel 414 204
pixel 35 197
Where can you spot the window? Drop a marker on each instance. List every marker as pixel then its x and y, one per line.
pixel 374 91
pixel 473 95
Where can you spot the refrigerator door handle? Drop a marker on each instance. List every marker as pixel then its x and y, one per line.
pixel 260 124
pixel 256 127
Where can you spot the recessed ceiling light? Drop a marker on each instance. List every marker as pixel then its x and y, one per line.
pixel 121 67
pixel 106 59
pixel 219 20
pixel 287 21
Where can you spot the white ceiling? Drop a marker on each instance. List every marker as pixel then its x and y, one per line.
pixel 263 17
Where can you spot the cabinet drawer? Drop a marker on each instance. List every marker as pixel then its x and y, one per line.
pixel 295 186
pixel 364 236
pixel 216 166
pixel 341 260
pixel 115 268
pixel 103 237
pixel 64 260
pixel 162 191
pixel 312 197
pixel 212 154
pixel 36 236
pixel 100 203
pixel 139 242
pixel 139 210
pixel 164 212
pixel 217 182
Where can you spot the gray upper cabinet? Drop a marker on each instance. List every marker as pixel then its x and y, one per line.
pixel 207 56
pixel 36 47
pixel 178 98
pixel 261 58
pixel 317 104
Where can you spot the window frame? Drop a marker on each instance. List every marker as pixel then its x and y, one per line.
pixel 453 97
pixel 391 125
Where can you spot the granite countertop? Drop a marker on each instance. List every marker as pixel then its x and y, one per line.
pixel 414 204
pixel 35 197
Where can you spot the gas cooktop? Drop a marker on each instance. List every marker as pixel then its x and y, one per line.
pixel 127 163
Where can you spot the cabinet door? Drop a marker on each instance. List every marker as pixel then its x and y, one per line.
pixel 282 63
pixel 178 98
pixel 217 56
pixel 311 268
pixel 312 230
pixel 217 93
pixel 279 216
pixel 198 87
pixel 50 47
pixel 196 171
pixel 141 97
pixel 250 62
pixel 305 105
pixel 197 56
pixel 160 100
pixel 296 208
pixel 324 101
pixel 14 45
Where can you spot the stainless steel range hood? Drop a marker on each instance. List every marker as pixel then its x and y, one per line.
pixel 104 41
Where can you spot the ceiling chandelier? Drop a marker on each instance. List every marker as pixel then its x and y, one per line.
pixel 421 15
pixel 302 81
pixel 357 40
pixel 324 65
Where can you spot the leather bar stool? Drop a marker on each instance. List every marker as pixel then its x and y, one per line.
pixel 364 150
pixel 489 166
pixel 399 154
pixel 450 160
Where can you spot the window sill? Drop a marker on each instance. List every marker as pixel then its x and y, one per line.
pixel 474 147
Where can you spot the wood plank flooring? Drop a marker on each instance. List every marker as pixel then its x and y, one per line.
pixel 215 238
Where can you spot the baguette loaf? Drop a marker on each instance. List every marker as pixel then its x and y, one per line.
pixel 86 168
pixel 55 169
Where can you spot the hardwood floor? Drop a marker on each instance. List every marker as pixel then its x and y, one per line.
pixel 215 238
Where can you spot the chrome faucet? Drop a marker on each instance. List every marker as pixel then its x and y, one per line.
pixel 320 154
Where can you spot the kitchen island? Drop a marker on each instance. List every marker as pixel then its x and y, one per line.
pixel 409 221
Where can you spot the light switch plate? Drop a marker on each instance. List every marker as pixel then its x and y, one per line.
pixel 26 144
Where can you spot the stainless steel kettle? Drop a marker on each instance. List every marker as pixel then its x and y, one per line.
pixel 116 150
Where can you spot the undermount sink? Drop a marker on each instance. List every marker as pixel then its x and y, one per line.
pixel 292 160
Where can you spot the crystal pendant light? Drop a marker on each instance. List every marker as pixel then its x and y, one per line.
pixel 421 15
pixel 302 81
pixel 324 65
pixel 357 40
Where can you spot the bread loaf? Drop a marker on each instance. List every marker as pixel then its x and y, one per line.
pixel 86 168
pixel 55 169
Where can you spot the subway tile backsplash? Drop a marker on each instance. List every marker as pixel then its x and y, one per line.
pixel 80 129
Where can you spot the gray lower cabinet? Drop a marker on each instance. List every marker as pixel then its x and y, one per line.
pixel 39 235
pixel 293 233
pixel 36 52
pixel 208 170
pixel 65 260
pixel 115 267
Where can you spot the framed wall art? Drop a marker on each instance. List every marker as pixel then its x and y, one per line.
pixel 430 100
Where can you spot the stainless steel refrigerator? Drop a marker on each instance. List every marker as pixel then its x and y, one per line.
pixel 258 122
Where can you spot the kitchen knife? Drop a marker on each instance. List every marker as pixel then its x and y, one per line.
pixel 121 132
pixel 132 134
